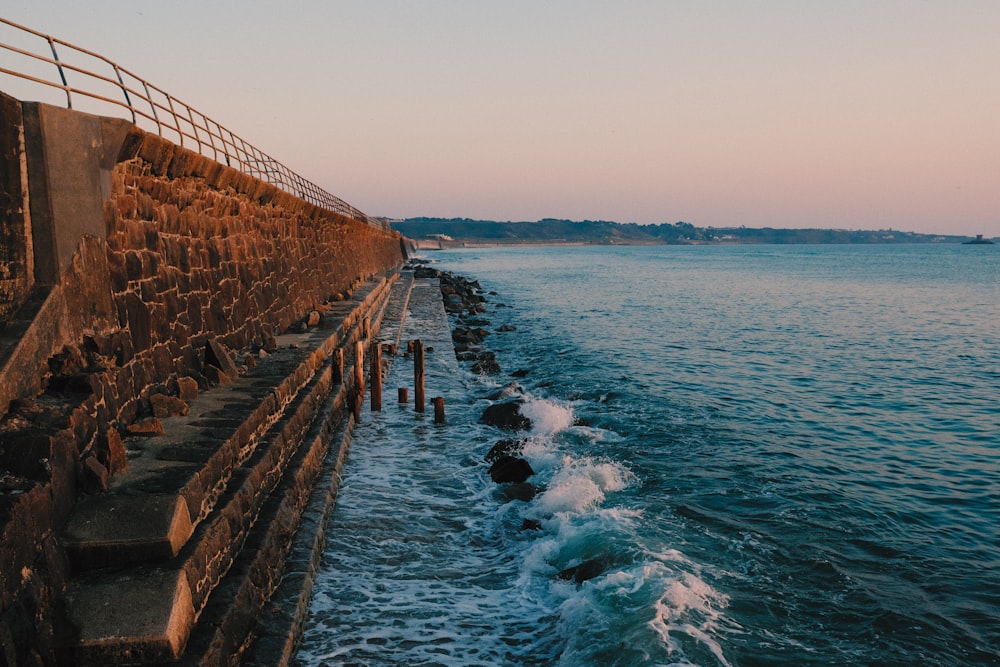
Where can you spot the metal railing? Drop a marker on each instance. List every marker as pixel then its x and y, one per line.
pixel 151 108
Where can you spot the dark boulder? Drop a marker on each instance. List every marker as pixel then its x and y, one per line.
pixel 506 447
pixel 525 492
pixel 506 415
pixel 508 390
pixel 586 570
pixel 486 367
pixel 510 470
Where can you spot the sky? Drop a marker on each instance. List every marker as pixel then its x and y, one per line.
pixel 854 114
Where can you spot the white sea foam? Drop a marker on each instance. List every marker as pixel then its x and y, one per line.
pixel 689 607
pixel 581 484
pixel 547 416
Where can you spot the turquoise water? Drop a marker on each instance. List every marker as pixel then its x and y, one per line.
pixel 783 455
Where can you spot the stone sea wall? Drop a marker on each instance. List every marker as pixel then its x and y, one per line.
pixel 117 287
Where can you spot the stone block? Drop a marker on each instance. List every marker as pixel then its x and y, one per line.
pixel 148 427
pixel 117 457
pixel 187 387
pixel 95 475
pixel 218 356
pixel 168 406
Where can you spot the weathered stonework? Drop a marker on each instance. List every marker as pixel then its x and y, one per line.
pixel 193 253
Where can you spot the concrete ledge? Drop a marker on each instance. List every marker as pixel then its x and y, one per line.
pixel 140 620
pixel 147 527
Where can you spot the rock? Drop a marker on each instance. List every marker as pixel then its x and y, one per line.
pixel 520 373
pixel 510 469
pixel 486 367
pixel 507 327
pixel 508 447
pixel 187 388
pixel 531 524
pixel 314 318
pixel 167 406
pixel 506 415
pixel 525 492
pixel 249 361
pixel 95 475
pixel 146 427
pixel 508 390
pixel 586 570
pixel 117 456
pixel 218 356
pixel 216 377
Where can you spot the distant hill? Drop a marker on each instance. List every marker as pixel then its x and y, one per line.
pixel 458 231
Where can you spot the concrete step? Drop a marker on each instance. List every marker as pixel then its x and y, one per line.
pixel 180 518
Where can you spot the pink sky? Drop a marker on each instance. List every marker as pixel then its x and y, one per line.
pixel 797 113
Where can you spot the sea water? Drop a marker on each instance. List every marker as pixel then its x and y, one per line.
pixel 779 455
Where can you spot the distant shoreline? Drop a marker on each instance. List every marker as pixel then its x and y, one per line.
pixel 463 232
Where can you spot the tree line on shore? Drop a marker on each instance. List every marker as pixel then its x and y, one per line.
pixel 551 230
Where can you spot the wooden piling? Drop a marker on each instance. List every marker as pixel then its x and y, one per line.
pixel 418 375
pixel 376 378
pixel 404 395
pixel 359 367
pixel 438 409
pixel 338 365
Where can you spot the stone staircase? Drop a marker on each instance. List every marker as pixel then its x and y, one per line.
pixel 174 563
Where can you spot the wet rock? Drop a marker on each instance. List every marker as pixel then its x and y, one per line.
pixel 507 327
pixel 520 373
pixel 506 415
pixel 525 492
pixel 486 367
pixel 531 524
pixel 468 336
pixel 508 390
pixel 586 570
pixel 510 470
pixel 506 447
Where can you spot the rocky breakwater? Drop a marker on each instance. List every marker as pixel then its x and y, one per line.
pixel 466 304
